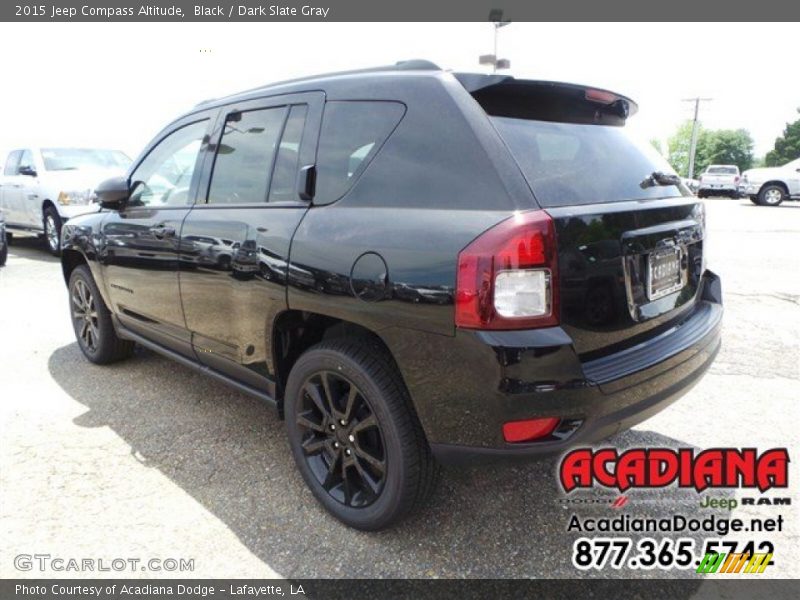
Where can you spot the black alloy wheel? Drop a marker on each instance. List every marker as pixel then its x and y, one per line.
pixel 354 434
pixel 91 321
pixel 341 439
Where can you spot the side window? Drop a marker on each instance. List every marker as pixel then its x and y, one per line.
pixel 164 177
pixel 26 160
pixel 284 176
pixel 12 162
pixel 352 133
pixel 243 166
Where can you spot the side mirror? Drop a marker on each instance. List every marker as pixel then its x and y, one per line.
pixel 113 193
pixel 27 170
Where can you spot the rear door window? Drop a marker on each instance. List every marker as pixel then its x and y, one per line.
pixel 243 166
pixel 351 135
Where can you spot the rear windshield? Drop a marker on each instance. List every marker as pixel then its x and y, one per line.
pixel 73 159
pixel 570 163
pixel 722 170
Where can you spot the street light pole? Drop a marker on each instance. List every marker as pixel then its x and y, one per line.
pixel 693 144
pixel 496 18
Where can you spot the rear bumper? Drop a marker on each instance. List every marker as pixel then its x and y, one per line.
pixel 530 374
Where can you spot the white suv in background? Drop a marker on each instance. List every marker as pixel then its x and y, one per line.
pixel 41 188
pixel 770 186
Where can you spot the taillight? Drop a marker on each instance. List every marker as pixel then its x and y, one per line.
pixel 508 276
pixel 736 179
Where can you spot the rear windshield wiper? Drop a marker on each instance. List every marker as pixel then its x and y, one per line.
pixel 659 178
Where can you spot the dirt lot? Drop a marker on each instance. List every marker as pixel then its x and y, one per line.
pixel 147 459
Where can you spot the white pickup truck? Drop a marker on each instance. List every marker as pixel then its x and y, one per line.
pixel 770 186
pixel 41 188
pixel 719 180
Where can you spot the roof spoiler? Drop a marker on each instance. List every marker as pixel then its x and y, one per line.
pixel 505 96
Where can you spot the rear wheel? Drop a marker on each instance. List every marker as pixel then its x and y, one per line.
pixel 91 321
pixel 771 195
pixel 52 230
pixel 354 435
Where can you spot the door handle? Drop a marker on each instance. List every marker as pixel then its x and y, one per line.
pixel 162 231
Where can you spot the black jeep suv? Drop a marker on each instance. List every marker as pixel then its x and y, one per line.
pixel 411 265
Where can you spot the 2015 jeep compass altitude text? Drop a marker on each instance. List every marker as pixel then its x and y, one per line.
pixel 412 266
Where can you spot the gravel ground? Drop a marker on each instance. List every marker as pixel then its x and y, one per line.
pixel 147 459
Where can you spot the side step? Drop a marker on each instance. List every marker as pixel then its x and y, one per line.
pixel 187 362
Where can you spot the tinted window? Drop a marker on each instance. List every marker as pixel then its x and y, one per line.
pixel 164 177
pixel 351 135
pixel 568 163
pixel 283 187
pixel 11 163
pixel 245 155
pixel 723 170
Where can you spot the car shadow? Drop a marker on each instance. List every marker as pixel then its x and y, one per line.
pixel 229 452
pixel 30 246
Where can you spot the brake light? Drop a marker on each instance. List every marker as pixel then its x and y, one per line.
pixel 601 96
pixel 736 179
pixel 508 276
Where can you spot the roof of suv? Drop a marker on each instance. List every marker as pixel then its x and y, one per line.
pixel 472 82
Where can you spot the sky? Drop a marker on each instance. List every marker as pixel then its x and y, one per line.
pixel 117 84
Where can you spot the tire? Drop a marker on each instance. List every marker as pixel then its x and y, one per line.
pixel 51 222
pixel 701 194
pixel 753 199
pixel 771 195
pixel 9 238
pixel 376 468
pixel 3 254
pixel 91 321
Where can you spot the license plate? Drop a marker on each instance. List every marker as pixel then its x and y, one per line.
pixel 664 273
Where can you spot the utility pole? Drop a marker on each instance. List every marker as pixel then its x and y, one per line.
pixel 693 145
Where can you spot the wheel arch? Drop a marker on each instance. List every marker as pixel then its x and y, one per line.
pixel 776 182
pixel 295 331
pixel 70 260
pixel 47 203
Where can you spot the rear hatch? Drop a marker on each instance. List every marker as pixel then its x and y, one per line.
pixel 629 234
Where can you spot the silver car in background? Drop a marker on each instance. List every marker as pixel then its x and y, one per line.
pixel 770 186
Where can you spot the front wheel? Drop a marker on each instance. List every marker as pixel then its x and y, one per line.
pixel 354 436
pixel 91 321
pixel 770 195
pixel 51 222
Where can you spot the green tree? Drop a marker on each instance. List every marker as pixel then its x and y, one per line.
pixel 727 147
pixel 787 146
pixel 656 143
pixel 722 146
pixel 679 144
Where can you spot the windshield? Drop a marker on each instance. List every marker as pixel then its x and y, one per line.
pixel 722 170
pixel 795 164
pixel 71 159
pixel 567 163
